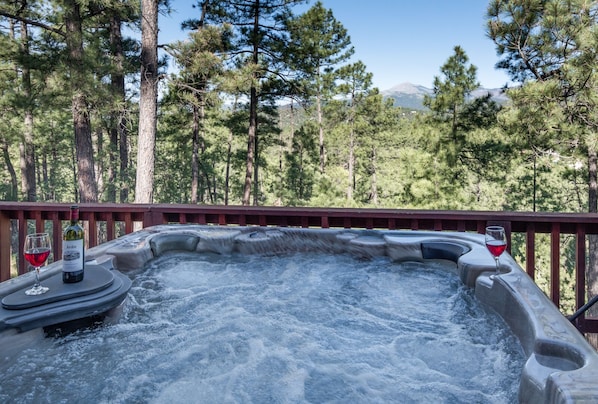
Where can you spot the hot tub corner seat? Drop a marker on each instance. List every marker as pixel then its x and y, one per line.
pixel 174 241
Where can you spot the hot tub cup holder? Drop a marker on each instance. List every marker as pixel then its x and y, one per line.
pixel 101 291
pixel 96 279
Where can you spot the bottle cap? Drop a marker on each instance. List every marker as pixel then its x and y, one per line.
pixel 74 212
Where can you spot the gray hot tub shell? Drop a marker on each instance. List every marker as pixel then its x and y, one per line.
pixel 100 293
pixel 561 366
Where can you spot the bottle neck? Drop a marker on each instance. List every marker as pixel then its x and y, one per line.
pixel 74 215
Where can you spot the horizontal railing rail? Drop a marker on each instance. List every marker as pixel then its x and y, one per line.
pixel 107 221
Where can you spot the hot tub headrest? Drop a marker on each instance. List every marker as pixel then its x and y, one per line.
pixel 443 250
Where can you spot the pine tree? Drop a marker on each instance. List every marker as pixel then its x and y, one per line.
pixel 318 43
pixel 451 92
pixel 549 46
pixel 64 26
pixel 148 102
pixel 201 59
pixel 356 85
pixel 259 32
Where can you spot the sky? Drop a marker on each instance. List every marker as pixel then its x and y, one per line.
pixel 398 40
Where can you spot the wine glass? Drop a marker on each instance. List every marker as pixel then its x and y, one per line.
pixel 496 243
pixel 37 249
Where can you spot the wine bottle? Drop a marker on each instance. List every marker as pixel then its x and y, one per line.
pixel 72 249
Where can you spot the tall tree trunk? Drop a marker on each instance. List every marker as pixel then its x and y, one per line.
pixel 118 127
pixel 54 163
pixel 229 155
pixel 252 132
pixel 99 167
pixel 351 163
pixel 123 132
pixel 374 177
pixel 592 270
pixel 14 191
pixel 123 148
pixel 302 193
pixel 74 169
pixel 112 163
pixel 148 102
pixel 88 191
pixel 195 155
pixel 45 176
pixel 250 146
pixel 229 147
pixel 199 131
pixel 281 150
pixel 11 170
pixel 207 189
pixel 321 132
pixel 199 148
pixel 256 167
pixel 28 184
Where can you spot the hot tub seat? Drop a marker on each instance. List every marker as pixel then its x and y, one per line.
pixel 101 290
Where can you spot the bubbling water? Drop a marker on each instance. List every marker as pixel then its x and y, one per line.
pixel 294 328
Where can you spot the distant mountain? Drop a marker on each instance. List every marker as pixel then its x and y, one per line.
pixel 407 95
pixel 497 94
pixel 411 96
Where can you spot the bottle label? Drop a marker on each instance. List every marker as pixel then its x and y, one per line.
pixel 72 255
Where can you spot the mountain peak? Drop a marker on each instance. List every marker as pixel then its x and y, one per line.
pixel 408 88
pixel 411 96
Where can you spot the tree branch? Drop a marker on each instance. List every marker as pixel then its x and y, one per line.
pixel 34 23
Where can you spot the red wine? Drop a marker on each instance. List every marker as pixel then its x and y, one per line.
pixel 38 256
pixel 496 247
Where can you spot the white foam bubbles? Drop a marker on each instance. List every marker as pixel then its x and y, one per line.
pixel 298 328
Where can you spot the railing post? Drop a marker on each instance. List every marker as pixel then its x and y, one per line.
pixel 56 235
pixel 39 223
pixel 555 263
pixel 92 231
pixel 152 218
pixel 128 223
pixel 580 271
pixel 530 250
pixel 5 243
pixel 22 231
pixel 110 223
pixel 347 222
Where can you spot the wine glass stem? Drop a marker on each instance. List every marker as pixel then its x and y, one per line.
pixel 37 284
pixel 497 266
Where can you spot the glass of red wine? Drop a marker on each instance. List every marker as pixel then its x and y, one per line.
pixel 496 243
pixel 37 249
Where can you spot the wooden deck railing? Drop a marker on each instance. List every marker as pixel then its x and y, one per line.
pixel 105 222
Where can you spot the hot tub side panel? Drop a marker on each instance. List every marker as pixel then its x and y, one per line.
pixel 562 367
pixel 557 352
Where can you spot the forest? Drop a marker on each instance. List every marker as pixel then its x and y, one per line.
pixel 267 107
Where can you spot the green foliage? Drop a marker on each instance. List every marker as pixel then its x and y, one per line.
pixel 450 94
pixel 549 46
pixel 322 135
pixel 301 162
pixel 317 43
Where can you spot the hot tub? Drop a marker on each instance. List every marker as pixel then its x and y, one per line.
pixel 561 366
